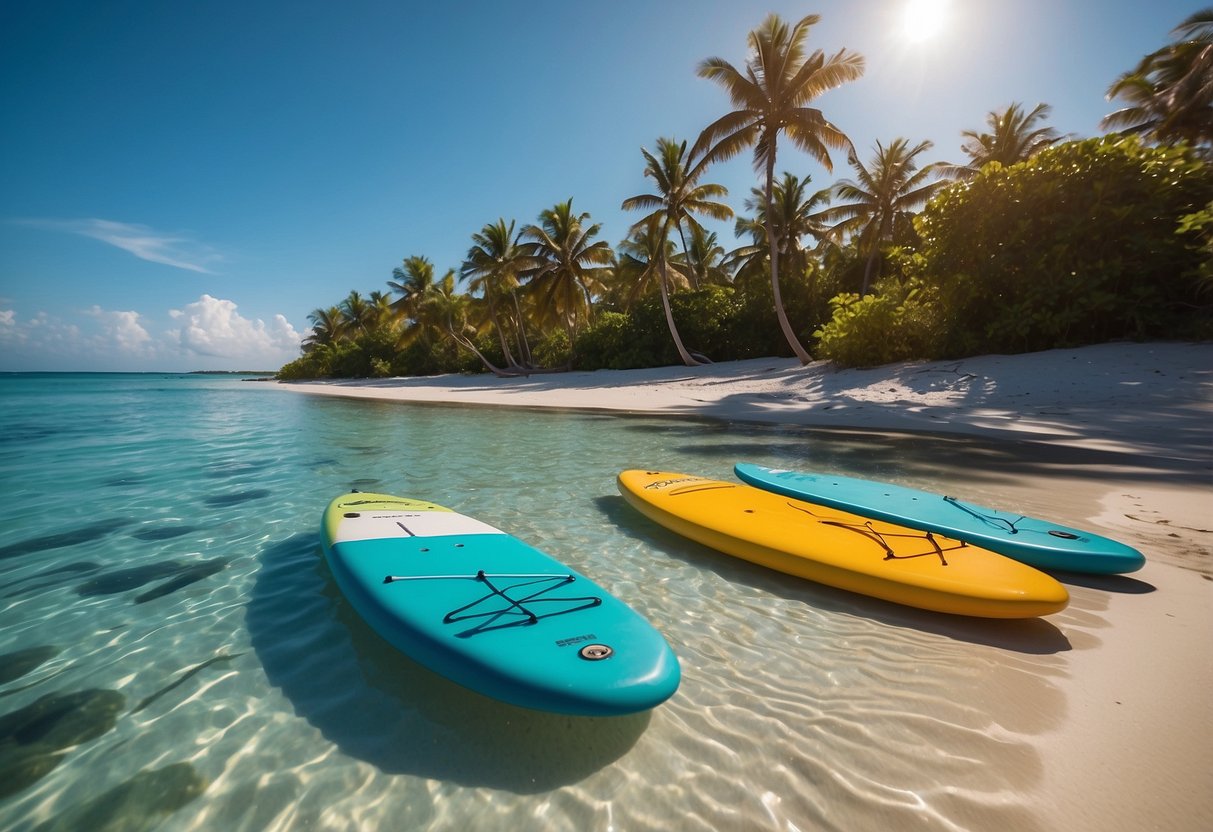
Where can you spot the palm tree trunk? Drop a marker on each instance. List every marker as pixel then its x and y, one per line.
pixel 873 258
pixel 784 324
pixel 867 272
pixel 459 340
pixel 505 344
pixel 669 319
pixel 686 254
pixel 524 345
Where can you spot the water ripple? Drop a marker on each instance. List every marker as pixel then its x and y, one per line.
pixel 184 580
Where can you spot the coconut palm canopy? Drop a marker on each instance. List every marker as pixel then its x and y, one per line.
pixel 1170 92
pixel 771 97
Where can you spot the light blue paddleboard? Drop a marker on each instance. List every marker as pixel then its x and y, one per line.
pixel 1035 542
pixel 491 613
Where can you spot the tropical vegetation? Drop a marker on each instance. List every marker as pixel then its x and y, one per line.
pixel 1037 241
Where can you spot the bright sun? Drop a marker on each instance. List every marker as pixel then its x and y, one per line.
pixel 922 19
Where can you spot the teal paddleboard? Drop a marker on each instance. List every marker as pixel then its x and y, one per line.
pixel 1039 543
pixel 492 613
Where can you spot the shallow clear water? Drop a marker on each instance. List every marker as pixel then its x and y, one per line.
pixel 174 653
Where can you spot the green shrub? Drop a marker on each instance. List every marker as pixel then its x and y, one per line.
pixel 1200 223
pixel 895 323
pixel 310 365
pixel 1076 245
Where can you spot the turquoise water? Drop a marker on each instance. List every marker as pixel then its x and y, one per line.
pixel 174 653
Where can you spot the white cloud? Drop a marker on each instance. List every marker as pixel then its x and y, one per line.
pixel 121 332
pixel 41 337
pixel 212 327
pixel 207 334
pixel 172 249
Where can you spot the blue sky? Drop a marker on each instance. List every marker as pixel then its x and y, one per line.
pixel 182 183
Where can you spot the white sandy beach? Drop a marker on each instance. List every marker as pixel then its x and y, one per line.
pixel 1134 750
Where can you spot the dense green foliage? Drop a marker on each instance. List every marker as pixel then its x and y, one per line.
pixel 1074 246
pixel 1037 245
pixel 719 323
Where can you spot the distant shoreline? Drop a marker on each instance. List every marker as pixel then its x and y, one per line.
pixel 231 373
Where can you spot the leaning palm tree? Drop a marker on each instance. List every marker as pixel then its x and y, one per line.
pixel 677 200
pixel 882 198
pixel 434 311
pixel 1014 137
pixel 445 310
pixel 568 267
pixel 771 97
pixel 1170 92
pixel 492 267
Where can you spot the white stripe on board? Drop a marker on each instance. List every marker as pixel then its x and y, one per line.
pixel 374 525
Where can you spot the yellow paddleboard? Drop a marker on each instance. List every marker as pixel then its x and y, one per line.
pixel 843 550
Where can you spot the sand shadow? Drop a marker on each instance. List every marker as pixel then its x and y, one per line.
pixel 377 705
pixel 873 454
pixel 1119 584
pixel 1033 636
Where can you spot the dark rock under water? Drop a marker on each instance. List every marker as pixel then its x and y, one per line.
pixel 33 738
pixel 74 537
pixel 190 574
pixel 141 803
pixel 236 498
pixel 121 580
pixel 20 662
pixel 179 574
pixel 165 532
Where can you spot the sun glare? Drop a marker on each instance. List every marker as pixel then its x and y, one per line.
pixel 923 19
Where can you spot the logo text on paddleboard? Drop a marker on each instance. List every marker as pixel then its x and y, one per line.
pixel 668 483
pixel 565 642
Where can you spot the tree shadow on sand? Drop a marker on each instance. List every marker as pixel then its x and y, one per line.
pixel 378 705
pixel 881 454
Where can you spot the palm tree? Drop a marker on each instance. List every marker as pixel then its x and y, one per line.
pixel 883 198
pixel 1013 138
pixel 642 259
pixel 435 311
pixel 679 197
pixel 357 313
pixel 704 259
pixel 492 267
pixel 797 215
pixel 1170 92
pixel 328 327
pixel 411 281
pixel 771 98
pixel 677 200
pixel 382 311
pixel 568 269
pixel 443 309
pixel 794 216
